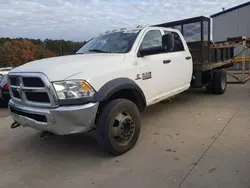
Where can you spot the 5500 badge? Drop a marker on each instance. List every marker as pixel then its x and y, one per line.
pixel 144 76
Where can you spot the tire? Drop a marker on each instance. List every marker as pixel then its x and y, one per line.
pixel 220 81
pixel 115 123
pixel 210 88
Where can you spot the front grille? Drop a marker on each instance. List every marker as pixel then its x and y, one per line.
pixel 15 93
pixel 32 89
pixel 32 82
pixel 40 118
pixel 43 97
pixel 13 81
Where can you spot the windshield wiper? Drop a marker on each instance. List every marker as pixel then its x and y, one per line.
pixel 98 51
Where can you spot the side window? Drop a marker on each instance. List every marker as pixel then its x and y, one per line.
pixel 178 45
pixel 152 38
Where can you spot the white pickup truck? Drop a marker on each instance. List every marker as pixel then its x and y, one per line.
pixel 104 86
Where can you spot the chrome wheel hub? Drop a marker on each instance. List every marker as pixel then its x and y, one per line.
pixel 123 128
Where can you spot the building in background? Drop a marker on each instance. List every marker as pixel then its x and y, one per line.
pixel 231 22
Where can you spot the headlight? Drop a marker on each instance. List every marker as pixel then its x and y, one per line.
pixel 73 89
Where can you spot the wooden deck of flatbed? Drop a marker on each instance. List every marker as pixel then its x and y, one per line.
pixel 213 65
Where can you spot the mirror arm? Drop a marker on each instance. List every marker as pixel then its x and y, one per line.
pixel 139 54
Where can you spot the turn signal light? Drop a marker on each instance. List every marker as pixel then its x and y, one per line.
pixel 85 86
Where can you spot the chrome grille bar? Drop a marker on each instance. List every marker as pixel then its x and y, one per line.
pixel 30 89
pixel 46 91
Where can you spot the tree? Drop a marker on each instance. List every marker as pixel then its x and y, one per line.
pixel 18 52
pixel 14 52
pixel 3 63
pixel 41 52
pixel 47 53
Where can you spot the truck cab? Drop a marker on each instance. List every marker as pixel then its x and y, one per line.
pixel 103 87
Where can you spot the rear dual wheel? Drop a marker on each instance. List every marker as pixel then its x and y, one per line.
pixel 118 126
pixel 219 82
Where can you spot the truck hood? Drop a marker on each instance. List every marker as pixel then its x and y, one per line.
pixel 63 67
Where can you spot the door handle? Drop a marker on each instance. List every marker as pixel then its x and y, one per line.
pixel 187 58
pixel 166 61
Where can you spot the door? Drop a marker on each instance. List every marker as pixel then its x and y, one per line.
pixel 154 69
pixel 181 64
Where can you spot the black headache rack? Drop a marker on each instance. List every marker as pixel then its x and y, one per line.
pixel 197 33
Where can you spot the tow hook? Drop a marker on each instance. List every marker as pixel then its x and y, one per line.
pixel 14 125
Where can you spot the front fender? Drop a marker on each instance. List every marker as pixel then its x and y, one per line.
pixel 118 84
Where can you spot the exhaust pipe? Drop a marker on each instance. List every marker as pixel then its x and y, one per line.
pixel 14 125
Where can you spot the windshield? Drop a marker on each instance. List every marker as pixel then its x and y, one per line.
pixel 116 42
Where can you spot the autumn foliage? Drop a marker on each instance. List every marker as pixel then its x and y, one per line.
pixel 41 52
pixel 15 52
pixel 18 52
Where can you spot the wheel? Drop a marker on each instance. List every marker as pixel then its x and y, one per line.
pixel 220 81
pixel 210 88
pixel 118 126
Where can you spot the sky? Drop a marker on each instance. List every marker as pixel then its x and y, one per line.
pixel 81 20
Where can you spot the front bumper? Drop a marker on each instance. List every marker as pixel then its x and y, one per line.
pixel 61 120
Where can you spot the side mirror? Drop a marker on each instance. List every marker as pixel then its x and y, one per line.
pixel 74 50
pixel 168 42
pixel 151 51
